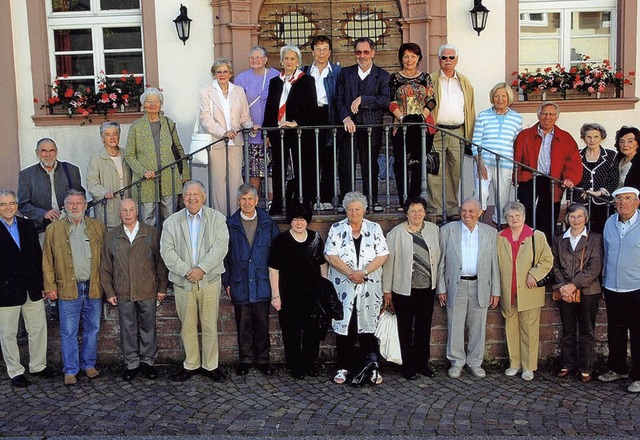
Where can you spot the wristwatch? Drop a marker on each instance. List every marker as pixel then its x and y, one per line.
pixel 366 272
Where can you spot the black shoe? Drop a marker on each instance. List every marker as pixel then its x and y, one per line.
pixel 48 372
pixel 297 374
pixel 182 375
pixel 427 372
pixel 148 371
pixel 312 371
pixel 19 381
pixel 130 374
pixel 409 374
pixel 242 369
pixel 216 375
pixel 265 369
pixel 365 373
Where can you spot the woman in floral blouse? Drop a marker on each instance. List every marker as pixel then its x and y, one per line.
pixel 412 99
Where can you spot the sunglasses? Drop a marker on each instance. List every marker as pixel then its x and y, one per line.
pixel 444 57
pixel 363 52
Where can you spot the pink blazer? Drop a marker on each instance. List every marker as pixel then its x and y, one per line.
pixel 212 116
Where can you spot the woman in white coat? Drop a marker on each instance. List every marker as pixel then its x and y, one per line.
pixel 224 111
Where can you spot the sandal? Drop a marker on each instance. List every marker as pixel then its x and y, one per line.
pixel 376 377
pixel 341 376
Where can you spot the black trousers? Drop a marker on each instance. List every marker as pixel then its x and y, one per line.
pixel 308 171
pixel 578 333
pixel 252 321
pixel 300 337
pixel 368 156
pixel 623 325
pixel 414 314
pixel 353 348
pixel 411 151
pixel 326 156
pixel 544 202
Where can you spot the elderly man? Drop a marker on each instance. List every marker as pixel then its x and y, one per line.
pixel 193 244
pixel 133 276
pixel 468 283
pixel 621 283
pixel 362 98
pixel 42 187
pixel 246 280
pixel 71 258
pixel 455 112
pixel 552 151
pixel 326 76
pixel 21 293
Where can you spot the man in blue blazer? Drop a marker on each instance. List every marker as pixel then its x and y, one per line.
pixel 362 97
pixel 21 292
pixel 325 75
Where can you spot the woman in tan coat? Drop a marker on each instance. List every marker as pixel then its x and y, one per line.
pixel 524 257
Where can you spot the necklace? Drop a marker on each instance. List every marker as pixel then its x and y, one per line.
pixel 114 155
pixel 591 157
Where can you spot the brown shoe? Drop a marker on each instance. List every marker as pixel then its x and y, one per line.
pixel 91 373
pixel 564 372
pixel 585 377
pixel 70 379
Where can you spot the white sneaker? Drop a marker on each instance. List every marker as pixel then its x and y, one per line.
pixel 478 372
pixel 527 375
pixel 454 372
pixel 512 371
pixel 611 376
pixel 327 206
pixel 634 387
pixel 318 207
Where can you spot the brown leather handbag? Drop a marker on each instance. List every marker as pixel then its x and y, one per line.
pixel 575 296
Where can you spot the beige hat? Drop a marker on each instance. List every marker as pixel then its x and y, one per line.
pixel 625 190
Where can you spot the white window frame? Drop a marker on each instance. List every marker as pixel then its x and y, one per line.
pixel 565 8
pixel 95 20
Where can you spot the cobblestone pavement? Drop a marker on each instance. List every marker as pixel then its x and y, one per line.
pixel 278 406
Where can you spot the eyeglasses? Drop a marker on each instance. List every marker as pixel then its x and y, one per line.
pixel 4 205
pixel 547 114
pixel 321 49
pixel 625 199
pixel 362 52
pixel 255 58
pixel 451 57
pixel 222 72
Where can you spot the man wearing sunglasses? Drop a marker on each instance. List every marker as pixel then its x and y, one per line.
pixel 455 112
pixel 362 98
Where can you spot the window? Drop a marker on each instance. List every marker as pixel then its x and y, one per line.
pixel 94 38
pixel 565 32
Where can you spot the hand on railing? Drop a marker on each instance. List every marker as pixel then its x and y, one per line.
pixel 149 175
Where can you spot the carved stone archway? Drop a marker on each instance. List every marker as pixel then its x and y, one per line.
pixel 237 26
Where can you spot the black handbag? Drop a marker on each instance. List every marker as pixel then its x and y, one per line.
pixel 433 162
pixel 414 144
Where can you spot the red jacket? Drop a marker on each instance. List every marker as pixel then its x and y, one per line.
pixel 565 157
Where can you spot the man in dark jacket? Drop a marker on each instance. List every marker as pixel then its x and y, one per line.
pixel 246 278
pixel 21 292
pixel 42 187
pixel 133 277
pixel 362 98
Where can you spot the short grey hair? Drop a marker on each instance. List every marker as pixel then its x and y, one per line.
pixel 592 126
pixel 151 91
pixel 74 192
pixel 292 48
pixel 472 200
pixel 574 207
pixel 222 62
pixel 354 196
pixel 514 206
pixel 246 188
pixel 447 46
pixel 260 48
pixel 8 192
pixel 46 141
pixel 194 182
pixel 548 104
pixel 107 125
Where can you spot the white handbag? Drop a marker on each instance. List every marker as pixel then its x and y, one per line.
pixel 387 334
pixel 200 140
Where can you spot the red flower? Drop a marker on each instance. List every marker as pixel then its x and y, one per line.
pixel 35 100
pixel 64 75
pixel 138 80
pixel 52 101
pixel 124 72
pixel 68 93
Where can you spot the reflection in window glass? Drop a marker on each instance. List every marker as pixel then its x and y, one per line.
pixel 72 39
pixel 74 65
pixel 117 62
pixel 122 38
pixel 70 5
pixel 119 4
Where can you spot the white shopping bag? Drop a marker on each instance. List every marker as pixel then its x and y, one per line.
pixel 387 334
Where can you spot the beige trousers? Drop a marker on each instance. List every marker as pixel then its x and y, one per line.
pixel 35 321
pixel 218 191
pixel 452 178
pixel 523 337
pixel 200 304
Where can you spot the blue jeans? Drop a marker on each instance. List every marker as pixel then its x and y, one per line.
pixel 71 311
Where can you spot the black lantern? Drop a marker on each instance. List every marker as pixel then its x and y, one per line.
pixel 479 16
pixel 183 24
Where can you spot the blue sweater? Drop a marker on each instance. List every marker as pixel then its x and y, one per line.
pixel 621 256
pixel 497 133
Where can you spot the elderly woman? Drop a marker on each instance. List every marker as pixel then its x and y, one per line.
pixel 495 129
pixel 296 267
pixel 255 82
pixel 627 139
pixel 224 112
pixel 356 250
pixel 577 263
pixel 600 174
pixel 292 103
pixel 412 99
pixel 524 257
pixel 409 282
pixel 153 143
pixel 107 173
